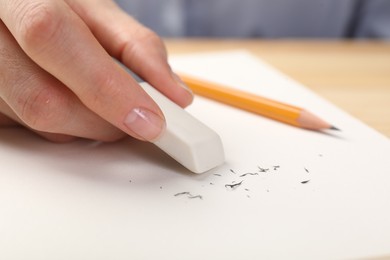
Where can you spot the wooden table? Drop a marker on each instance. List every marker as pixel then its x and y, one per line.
pixel 353 75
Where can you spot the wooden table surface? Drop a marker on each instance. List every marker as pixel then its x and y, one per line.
pixel 355 76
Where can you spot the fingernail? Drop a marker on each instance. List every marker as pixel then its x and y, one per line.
pixel 145 123
pixel 182 84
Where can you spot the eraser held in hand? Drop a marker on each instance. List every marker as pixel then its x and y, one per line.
pixel 186 139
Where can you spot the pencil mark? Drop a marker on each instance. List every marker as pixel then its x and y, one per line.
pixel 189 195
pixel 304 182
pixel 306 170
pixel 231 170
pixel 217 174
pixel 249 173
pixel 262 169
pixel 182 193
pixel 233 186
pixel 276 167
pixel 196 197
pixel 211 183
pixel 247 189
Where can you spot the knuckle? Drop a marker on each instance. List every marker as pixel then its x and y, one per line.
pixel 149 38
pixel 144 38
pixel 145 43
pixel 40 109
pixel 37 25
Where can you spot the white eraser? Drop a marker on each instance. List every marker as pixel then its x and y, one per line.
pixel 186 139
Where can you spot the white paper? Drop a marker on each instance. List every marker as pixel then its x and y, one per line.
pixel 89 200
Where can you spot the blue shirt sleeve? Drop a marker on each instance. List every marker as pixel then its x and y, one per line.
pixel 264 18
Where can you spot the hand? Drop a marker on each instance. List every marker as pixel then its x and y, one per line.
pixel 58 78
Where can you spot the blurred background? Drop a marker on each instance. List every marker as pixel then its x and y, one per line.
pixel 263 18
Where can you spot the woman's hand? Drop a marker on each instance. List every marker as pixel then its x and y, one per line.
pixel 58 78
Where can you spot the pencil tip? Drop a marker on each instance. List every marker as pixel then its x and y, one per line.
pixel 334 128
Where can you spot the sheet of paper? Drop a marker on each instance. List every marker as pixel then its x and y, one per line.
pixel 283 192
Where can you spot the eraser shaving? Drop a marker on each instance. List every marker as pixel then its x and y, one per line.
pixel 186 139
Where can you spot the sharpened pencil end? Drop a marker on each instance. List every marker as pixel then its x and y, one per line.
pixel 334 128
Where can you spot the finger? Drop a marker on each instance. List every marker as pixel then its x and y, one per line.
pixel 10 119
pixel 7 116
pixel 136 46
pixel 6 121
pixel 32 97
pixel 59 41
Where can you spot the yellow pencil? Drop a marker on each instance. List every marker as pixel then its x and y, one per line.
pixel 260 105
